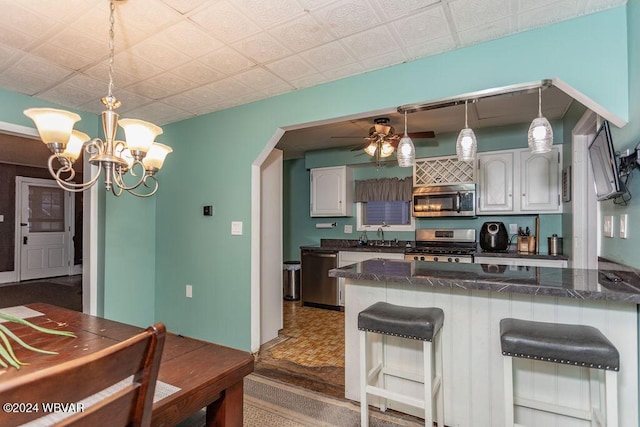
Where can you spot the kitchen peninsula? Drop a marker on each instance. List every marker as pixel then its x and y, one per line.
pixel 474 298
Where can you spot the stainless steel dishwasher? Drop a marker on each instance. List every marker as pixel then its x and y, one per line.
pixel 318 289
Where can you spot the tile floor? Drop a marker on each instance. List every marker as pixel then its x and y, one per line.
pixel 309 351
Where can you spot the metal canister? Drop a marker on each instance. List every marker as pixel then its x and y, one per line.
pixel 555 245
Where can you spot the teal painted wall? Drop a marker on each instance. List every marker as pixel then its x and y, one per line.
pixel 212 158
pixel 617 249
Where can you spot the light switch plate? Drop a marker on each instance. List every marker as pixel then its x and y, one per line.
pixel 189 291
pixel 608 226
pixel 236 228
pixel 348 229
pixel 624 226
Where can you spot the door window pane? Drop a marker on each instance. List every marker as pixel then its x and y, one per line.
pixel 46 209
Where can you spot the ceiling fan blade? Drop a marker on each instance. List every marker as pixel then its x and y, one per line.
pixel 426 134
pixel 361 146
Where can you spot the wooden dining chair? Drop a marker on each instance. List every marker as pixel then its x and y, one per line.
pixel 130 367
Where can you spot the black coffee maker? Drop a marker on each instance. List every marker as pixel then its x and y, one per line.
pixel 494 237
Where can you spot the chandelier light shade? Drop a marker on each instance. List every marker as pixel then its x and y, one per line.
pixel 540 135
pixel 129 165
pixel 467 144
pixel 406 150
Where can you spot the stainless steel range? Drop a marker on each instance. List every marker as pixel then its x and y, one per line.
pixel 443 245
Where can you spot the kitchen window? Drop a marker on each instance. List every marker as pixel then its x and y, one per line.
pixel 393 216
pixel 385 203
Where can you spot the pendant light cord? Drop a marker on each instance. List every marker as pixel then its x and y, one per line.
pixel 405 123
pixel 466 125
pixel 539 102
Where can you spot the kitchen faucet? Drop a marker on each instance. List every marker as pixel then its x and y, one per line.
pixel 381 232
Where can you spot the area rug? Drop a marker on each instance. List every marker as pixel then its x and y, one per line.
pixel 270 403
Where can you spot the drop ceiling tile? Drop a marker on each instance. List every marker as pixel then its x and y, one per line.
pixel 396 8
pixel 227 61
pixel 386 60
pixel 368 44
pixel 346 17
pixel 314 4
pixel 342 72
pixel 82 44
pixel 95 22
pixel 301 34
pixel 14 17
pixel 328 56
pixel 195 99
pixel 32 64
pixel 198 73
pixel 259 79
pixel 184 6
pixel 120 78
pixel 62 56
pixel 23 83
pixel 308 81
pixel 524 5
pixel 65 11
pixel 292 68
pixel 145 17
pixel 130 100
pixel 159 113
pixel 472 13
pixel 231 88
pixel 277 90
pixel 155 52
pixel 13 38
pixel 432 47
pixel 225 22
pixel 189 39
pixel 269 13
pixel 487 31
pixel 170 82
pixel 558 11
pixel 597 5
pixel 88 84
pixel 421 27
pixel 7 55
pixel 68 96
pixel 134 66
pixel 261 48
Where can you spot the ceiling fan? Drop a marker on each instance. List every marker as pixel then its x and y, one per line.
pixel 382 139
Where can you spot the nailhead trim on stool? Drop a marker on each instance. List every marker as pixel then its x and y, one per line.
pixel 416 323
pixel 577 345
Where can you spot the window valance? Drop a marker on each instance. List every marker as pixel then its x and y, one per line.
pixel 384 190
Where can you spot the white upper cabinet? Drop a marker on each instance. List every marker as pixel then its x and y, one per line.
pixel 539 178
pixel 519 182
pixel 331 192
pixel 495 182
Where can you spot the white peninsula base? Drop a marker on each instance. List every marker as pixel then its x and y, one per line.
pixel 473 366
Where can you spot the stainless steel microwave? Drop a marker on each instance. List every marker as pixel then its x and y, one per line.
pixel 444 200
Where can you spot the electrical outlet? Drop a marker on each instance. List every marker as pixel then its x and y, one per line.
pixel 348 229
pixel 236 228
pixel 513 228
pixel 624 226
pixel 607 226
pixel 189 291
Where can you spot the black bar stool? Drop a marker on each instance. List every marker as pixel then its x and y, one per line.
pixel 579 345
pixel 424 324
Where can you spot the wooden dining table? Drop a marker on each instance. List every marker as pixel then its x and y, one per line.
pixel 206 375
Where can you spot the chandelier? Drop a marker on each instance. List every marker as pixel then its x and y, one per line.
pixel 139 156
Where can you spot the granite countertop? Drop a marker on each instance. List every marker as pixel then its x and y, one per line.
pixel 587 284
pixel 352 245
pixel 515 254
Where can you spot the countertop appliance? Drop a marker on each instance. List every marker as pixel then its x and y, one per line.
pixel 494 237
pixel 444 200
pixel 443 245
pixel 555 245
pixel 318 289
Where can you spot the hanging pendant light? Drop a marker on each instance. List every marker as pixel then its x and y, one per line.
pixel 540 135
pixel 467 145
pixel 406 150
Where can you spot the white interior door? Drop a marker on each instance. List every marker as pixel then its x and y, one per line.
pixel 45 228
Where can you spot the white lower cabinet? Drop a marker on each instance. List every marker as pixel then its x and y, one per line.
pixel 524 262
pixel 351 257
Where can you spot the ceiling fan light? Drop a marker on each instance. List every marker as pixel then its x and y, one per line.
pixel 386 149
pixel 54 126
pixel 466 145
pixel 371 148
pixel 540 136
pixel 406 152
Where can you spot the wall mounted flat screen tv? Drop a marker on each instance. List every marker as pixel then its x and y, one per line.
pixel 605 167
